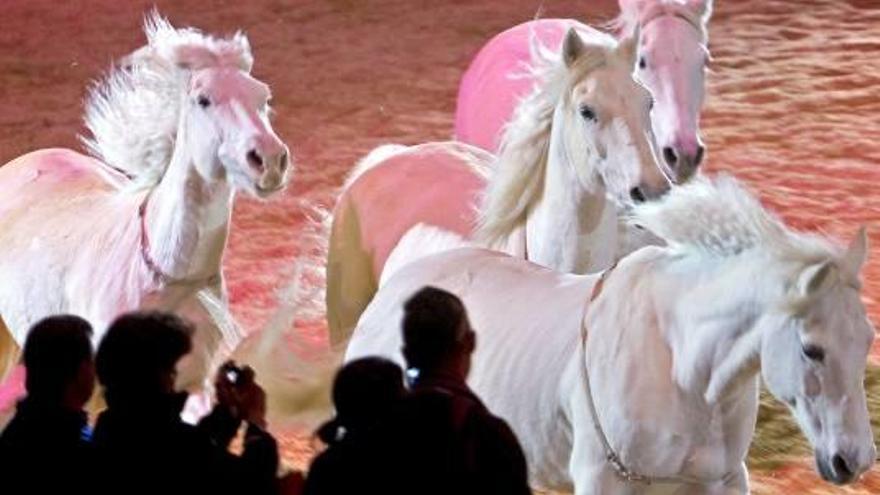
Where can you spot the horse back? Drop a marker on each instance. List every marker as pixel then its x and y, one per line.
pixel 498 78
pixel 59 211
pixel 436 184
pixel 431 187
pixel 527 319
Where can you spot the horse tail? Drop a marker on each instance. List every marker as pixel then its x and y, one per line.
pixel 376 156
pixel 295 369
pixel 11 384
pixel 420 241
pixel 9 351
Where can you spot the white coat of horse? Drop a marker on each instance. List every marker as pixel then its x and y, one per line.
pixel 668 352
pixel 176 131
pixel 579 151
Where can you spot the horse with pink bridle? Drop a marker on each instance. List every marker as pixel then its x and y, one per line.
pixel 671 63
pixel 176 130
pixel 578 151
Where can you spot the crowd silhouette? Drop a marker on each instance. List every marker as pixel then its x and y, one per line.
pixel 427 434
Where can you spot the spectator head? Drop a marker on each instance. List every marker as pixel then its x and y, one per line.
pixel 137 358
pixel 58 358
pixel 364 391
pixel 437 335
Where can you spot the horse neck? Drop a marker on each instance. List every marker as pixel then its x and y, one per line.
pixel 714 333
pixel 187 218
pixel 572 227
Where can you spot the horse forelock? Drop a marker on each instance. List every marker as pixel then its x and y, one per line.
pixel 191 49
pixel 132 114
pixel 640 13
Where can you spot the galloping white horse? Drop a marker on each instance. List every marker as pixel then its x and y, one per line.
pixel 656 366
pixel 176 132
pixel 671 63
pixel 580 147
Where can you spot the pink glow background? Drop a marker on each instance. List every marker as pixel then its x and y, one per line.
pixel 792 109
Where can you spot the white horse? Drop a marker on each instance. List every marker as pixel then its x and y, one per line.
pixel 672 58
pixel 176 131
pixel 580 149
pixel 647 380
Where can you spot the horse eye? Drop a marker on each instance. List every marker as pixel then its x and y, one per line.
pixel 203 101
pixel 587 113
pixel 642 63
pixel 814 353
pixel 651 104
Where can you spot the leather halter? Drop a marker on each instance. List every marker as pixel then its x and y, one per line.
pixel 611 456
pixel 159 276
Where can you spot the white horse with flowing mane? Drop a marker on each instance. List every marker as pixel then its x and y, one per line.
pixel 579 149
pixel 175 132
pixel 672 59
pixel 645 379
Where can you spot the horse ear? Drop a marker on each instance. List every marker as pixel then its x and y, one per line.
pixel 857 252
pixel 813 278
pixel 572 47
pixel 628 49
pixel 702 8
pixel 246 59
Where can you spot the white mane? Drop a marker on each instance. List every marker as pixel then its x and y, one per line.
pixel 133 114
pixel 721 218
pixel 634 13
pixel 518 178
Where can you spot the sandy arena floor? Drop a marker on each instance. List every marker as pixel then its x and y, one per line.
pixel 792 108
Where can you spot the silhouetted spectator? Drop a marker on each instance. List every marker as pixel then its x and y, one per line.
pixel 445 440
pixel 45 447
pixel 143 446
pixel 365 392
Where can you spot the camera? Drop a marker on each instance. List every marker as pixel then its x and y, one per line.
pixel 232 373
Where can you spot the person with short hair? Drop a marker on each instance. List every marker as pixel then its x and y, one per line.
pixel 446 440
pixel 365 392
pixel 141 443
pixel 45 448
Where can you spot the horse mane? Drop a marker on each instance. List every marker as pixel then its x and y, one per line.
pixel 633 12
pixel 518 178
pixel 721 218
pixel 132 114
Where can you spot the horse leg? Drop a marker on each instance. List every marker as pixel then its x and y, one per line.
pixel 351 284
pixel 216 336
pixel 736 483
pixel 601 479
pixel 590 472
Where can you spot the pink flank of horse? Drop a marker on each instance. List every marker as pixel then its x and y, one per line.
pixel 671 63
pixel 177 130
pixel 378 208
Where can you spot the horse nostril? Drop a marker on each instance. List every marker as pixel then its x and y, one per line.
pixel 637 195
pixel 670 156
pixel 841 468
pixel 255 160
pixel 285 161
pixel 698 158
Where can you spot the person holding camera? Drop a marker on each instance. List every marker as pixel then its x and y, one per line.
pixel 140 442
